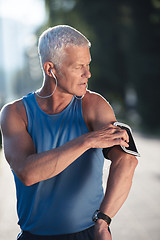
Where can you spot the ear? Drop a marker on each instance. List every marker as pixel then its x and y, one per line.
pixel 48 66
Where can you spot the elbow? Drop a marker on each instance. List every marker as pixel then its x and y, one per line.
pixel 125 165
pixel 133 161
pixel 129 163
pixel 25 177
pixel 27 182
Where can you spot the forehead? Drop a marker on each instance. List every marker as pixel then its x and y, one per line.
pixel 77 54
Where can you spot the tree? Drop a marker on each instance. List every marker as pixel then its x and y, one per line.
pixel 125 47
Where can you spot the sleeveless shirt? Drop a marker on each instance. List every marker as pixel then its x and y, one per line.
pixel 65 203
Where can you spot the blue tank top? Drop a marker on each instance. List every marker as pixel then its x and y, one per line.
pixel 65 203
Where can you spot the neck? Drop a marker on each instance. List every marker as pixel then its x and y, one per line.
pixel 55 103
pixel 47 90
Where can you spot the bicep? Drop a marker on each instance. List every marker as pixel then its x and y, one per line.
pixel 99 112
pixel 17 142
pixel 104 116
pixel 17 147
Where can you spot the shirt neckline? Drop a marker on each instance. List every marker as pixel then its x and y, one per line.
pixel 56 114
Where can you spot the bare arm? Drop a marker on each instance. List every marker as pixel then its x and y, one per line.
pixel 119 182
pixel 32 167
pixel 29 166
pixel 118 187
pixel 122 164
pixel 121 169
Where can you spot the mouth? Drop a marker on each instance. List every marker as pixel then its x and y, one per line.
pixel 83 84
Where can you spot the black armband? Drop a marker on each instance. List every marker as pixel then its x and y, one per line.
pixel 106 151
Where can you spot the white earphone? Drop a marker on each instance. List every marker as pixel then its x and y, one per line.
pixel 53 74
pixel 53 90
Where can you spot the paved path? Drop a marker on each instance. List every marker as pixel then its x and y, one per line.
pixel 138 219
pixel 8 216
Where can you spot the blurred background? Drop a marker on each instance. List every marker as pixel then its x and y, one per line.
pixel 125 37
pixel 125 67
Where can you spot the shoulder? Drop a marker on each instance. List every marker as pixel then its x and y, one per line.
pixel 93 97
pixel 96 110
pixel 13 114
pixel 13 108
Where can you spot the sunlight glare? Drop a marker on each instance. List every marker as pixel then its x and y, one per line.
pixel 30 12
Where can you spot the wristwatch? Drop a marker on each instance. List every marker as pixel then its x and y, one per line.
pixel 99 215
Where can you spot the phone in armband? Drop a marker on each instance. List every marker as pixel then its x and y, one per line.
pixel 132 149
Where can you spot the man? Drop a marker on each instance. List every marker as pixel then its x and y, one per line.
pixel 53 140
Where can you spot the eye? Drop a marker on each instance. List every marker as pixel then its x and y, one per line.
pixel 79 67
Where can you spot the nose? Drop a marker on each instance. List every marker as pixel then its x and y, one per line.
pixel 89 74
pixel 86 72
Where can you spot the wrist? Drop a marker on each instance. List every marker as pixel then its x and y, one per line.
pixel 101 228
pixel 98 215
pixel 89 140
pixel 101 224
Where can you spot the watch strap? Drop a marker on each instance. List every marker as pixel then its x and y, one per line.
pixel 99 215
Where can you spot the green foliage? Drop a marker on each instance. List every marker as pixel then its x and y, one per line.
pixel 125 37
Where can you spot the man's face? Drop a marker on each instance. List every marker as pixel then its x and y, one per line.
pixel 74 73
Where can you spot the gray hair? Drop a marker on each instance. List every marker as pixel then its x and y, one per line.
pixel 53 40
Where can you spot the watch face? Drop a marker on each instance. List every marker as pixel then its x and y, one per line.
pixel 95 216
pixel 99 215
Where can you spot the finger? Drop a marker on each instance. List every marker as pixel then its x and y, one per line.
pixel 127 136
pixel 120 141
pixel 124 136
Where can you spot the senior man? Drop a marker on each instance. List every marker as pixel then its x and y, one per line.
pixel 53 140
